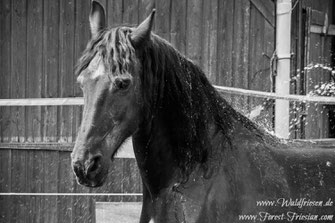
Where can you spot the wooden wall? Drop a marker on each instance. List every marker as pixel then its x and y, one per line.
pixel 40 168
pixel 40 42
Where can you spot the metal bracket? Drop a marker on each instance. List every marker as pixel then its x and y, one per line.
pixel 273 65
pixel 274 60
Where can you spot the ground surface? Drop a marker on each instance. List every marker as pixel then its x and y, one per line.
pixel 118 212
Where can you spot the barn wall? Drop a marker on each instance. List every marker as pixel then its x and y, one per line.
pixel 40 168
pixel 41 41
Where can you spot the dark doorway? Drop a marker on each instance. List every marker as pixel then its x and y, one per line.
pixel 331 118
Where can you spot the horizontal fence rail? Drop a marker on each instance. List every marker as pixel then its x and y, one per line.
pixel 269 95
pixel 42 101
pixel 126 150
pixel 70 194
pixel 230 90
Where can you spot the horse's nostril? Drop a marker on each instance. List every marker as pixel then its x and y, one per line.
pixel 78 170
pixel 94 165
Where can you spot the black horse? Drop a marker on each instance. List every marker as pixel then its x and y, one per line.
pixel 199 159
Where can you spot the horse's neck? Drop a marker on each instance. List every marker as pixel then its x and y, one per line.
pixel 157 163
pixel 155 158
pixel 154 152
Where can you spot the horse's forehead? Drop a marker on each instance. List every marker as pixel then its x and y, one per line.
pixel 95 69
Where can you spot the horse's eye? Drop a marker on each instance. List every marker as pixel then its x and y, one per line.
pixel 122 83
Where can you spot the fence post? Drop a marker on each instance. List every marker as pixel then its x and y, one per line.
pixel 283 45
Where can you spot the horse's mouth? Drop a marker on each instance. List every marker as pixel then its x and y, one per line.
pixel 97 181
pixel 91 183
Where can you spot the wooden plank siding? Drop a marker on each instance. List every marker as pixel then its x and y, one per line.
pixel 45 171
pixel 18 67
pixel 40 43
pixel 34 69
pixel 230 40
pixel 5 71
pixel 50 68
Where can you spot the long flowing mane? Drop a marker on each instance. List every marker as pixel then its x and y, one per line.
pixel 179 91
pixel 175 91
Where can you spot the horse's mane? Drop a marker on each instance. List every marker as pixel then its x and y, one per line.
pixel 178 91
pixel 175 91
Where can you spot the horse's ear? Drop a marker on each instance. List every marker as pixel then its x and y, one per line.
pixel 142 32
pixel 97 18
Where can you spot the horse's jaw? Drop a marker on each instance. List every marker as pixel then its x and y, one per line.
pixel 91 159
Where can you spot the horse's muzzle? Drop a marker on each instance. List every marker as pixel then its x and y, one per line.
pixel 89 172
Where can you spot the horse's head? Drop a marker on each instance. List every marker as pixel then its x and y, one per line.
pixel 109 73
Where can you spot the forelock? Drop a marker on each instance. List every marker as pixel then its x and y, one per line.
pixel 115 48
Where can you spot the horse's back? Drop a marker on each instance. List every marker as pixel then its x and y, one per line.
pixel 309 169
pixel 288 174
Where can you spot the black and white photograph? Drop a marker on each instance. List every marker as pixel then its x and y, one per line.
pixel 167 111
